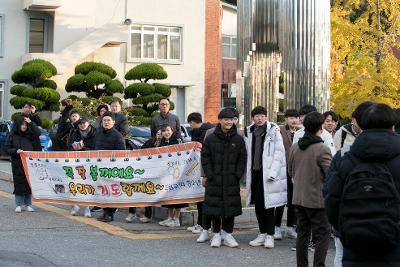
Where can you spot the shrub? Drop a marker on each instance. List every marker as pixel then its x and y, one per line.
pixel 145 72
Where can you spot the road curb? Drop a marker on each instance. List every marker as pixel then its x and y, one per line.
pixel 5 176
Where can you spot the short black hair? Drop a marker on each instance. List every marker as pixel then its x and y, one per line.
pixel 29 103
pixel 109 114
pixel 291 113
pixel 234 110
pixel 259 110
pixel 313 122
pixel 304 110
pixel 73 111
pixel 226 113
pixel 378 116
pixel 165 126
pixel 358 112
pixel 334 116
pixel 164 98
pixel 195 117
pixel 397 111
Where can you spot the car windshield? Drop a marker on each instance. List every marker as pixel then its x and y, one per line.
pixel 140 132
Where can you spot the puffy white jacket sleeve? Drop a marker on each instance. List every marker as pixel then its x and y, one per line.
pixel 279 160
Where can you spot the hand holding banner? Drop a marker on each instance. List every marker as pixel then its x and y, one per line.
pixel 165 175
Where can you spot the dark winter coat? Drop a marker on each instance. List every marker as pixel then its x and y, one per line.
pixel 63 131
pixel 36 119
pixel 199 134
pixel 223 159
pixel 88 141
pixel 369 146
pixel 121 123
pixel 109 139
pixel 26 141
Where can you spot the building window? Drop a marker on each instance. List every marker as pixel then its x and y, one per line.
pixel 2 88
pixel 158 43
pixel 1 35
pixel 37 35
pixel 229 44
pixel 228 94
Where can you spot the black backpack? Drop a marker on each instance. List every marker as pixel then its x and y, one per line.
pixel 369 209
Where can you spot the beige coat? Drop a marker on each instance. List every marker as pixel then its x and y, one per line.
pixel 308 169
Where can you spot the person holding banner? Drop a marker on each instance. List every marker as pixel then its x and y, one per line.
pixel 81 139
pixel 223 158
pixel 108 138
pixel 169 137
pixel 23 137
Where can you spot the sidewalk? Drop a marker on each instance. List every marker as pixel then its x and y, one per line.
pixel 188 217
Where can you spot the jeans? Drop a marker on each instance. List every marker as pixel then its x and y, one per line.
pixel 339 253
pixel 23 200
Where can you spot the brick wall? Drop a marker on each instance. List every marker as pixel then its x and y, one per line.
pixel 213 66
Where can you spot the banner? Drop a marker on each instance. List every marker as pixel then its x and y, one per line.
pixel 134 178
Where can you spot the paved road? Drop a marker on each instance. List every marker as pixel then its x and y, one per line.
pixel 50 237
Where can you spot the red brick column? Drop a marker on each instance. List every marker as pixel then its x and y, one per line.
pixel 213 66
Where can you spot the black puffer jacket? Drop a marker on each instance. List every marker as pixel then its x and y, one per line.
pixel 223 158
pixel 88 140
pixel 63 130
pixel 109 139
pixel 199 134
pixel 121 123
pixel 369 146
pixel 26 141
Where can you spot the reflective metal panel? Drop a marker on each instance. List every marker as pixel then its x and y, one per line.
pixel 292 36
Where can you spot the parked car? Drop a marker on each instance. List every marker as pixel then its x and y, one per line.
pixel 186 132
pixel 138 136
pixel 5 129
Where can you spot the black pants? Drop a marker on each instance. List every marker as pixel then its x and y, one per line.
pixel 314 220
pixel 217 222
pixel 265 217
pixel 200 213
pixel 291 215
pixel 148 211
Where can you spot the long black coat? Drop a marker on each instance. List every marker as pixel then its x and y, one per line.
pixel 63 129
pixel 121 123
pixel 109 139
pixel 88 141
pixel 369 146
pixel 223 158
pixel 28 142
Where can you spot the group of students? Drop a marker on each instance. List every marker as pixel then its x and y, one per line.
pixel 289 165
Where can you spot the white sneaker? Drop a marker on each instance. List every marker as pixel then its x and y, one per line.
pixel 223 234
pixel 203 237
pixel 197 229
pixel 230 241
pixel 173 223
pixel 216 240
pixel 291 233
pixel 278 233
pixel 131 217
pixel 163 223
pixel 30 209
pixel 74 210
pixel 144 219
pixel 269 241
pixel 87 212
pixel 259 241
pixel 18 209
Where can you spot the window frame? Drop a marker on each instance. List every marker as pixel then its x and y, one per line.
pixel 45 33
pixel 156 33
pixel 2 34
pixel 231 45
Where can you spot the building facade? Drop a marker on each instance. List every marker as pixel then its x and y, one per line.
pixel 122 34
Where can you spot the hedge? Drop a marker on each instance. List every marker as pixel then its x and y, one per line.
pixel 146 71
pixel 18 102
pixel 86 67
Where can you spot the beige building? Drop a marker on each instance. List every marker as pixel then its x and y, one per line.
pixel 120 33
